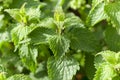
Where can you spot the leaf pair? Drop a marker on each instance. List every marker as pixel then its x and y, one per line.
pixel 73 35
pixel 61 33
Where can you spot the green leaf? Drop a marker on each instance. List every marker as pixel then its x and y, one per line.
pixel 33 13
pixel 2 76
pixel 2 72
pixel 59 45
pixel 72 20
pixel 40 35
pixel 28 55
pixel 59 14
pixel 113 12
pixel 98 74
pixel 89 66
pixel 82 39
pixel 49 23
pixel 19 77
pixel 75 4
pixel 98 60
pixel 105 72
pixel 19 3
pixel 109 56
pixel 96 2
pixel 117 67
pixel 15 13
pixel 18 33
pixel 112 39
pixel 96 14
pixel 116 78
pixel 107 66
pixel 6 48
pixel 62 69
pixel 2 22
pixel 6 3
pixel 25 15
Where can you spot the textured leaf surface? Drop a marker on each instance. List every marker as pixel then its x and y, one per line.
pixel 33 13
pixel 14 13
pixel 49 23
pixel 98 60
pixel 82 39
pixel 18 33
pixel 72 20
pixel 109 56
pixel 107 66
pixel 28 55
pixel 40 35
pixel 59 14
pixel 112 39
pixel 113 12
pixel 62 69
pixel 105 72
pixel 96 14
pixel 19 77
pixel 59 45
pixel 25 15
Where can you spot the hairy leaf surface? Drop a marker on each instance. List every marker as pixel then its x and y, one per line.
pixel 105 72
pixel 96 14
pixel 28 54
pixel 59 45
pixel 18 33
pixel 113 12
pixel 14 13
pixel 108 68
pixel 40 35
pixel 72 20
pixel 62 69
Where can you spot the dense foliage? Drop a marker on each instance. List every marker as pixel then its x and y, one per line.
pixel 59 40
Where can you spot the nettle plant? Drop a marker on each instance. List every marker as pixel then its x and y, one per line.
pixel 47 40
